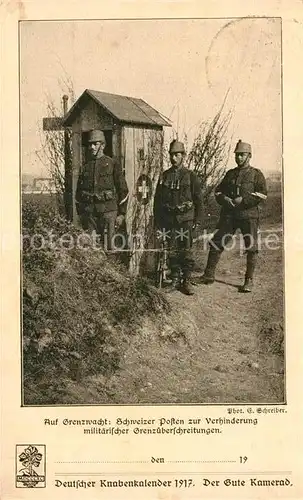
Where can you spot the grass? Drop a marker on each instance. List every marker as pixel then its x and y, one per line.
pixel 212 349
pixel 94 335
pixel 80 310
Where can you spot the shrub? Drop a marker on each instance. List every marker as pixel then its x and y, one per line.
pixel 79 308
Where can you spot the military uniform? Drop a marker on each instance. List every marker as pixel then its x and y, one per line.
pixel 247 184
pixel 101 196
pixel 178 206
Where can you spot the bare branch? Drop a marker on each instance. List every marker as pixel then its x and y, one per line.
pixel 210 150
pixel 52 151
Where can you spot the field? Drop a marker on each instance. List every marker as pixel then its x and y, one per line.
pixel 231 349
pixel 93 335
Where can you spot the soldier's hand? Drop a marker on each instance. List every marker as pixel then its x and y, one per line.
pixel 228 201
pixel 238 200
pixel 120 220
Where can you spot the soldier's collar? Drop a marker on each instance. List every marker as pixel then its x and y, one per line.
pixel 244 168
pixel 178 169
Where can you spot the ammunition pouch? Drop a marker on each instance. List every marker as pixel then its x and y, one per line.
pixel 180 209
pixel 108 194
pixel 87 197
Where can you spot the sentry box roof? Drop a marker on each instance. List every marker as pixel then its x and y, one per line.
pixel 122 108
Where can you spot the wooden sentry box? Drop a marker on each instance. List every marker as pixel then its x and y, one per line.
pixel 134 135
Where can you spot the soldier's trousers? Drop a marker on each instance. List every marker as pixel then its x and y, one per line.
pixel 180 254
pixel 103 224
pixel 227 227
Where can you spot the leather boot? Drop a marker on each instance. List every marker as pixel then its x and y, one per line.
pixel 174 285
pixel 251 261
pixel 209 274
pixel 248 285
pixel 187 287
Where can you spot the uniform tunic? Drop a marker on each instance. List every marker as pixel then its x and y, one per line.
pixel 100 190
pixel 178 205
pixel 249 183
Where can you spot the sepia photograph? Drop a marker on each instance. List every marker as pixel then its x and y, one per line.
pixel 151 208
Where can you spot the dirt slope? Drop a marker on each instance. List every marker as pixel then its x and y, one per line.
pixel 92 334
pixel 219 346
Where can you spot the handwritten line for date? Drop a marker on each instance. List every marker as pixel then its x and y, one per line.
pixel 201 461
pixel 148 462
pixel 106 462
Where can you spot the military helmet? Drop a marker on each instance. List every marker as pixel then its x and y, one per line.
pixel 96 136
pixel 176 147
pixel 242 147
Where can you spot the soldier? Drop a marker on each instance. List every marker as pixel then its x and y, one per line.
pixel 239 195
pixel 101 191
pixel 178 207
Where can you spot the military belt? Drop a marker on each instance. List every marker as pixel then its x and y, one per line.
pixel 105 195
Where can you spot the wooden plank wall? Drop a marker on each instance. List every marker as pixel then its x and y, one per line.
pixel 117 150
pixel 92 117
pixel 140 216
pixel 76 163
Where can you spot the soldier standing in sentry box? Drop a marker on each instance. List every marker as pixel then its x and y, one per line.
pixel 102 191
pixel 178 208
pixel 239 194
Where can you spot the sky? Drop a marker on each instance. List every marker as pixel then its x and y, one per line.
pixel 183 68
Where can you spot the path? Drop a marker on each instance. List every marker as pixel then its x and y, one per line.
pixel 216 354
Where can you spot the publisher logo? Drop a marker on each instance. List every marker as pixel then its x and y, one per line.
pixel 30 466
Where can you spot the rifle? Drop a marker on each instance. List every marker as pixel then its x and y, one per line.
pixel 162 266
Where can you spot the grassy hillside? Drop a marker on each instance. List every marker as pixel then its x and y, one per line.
pixel 93 334
pixel 80 309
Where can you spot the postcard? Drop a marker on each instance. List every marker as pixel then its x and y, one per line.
pixel 151 250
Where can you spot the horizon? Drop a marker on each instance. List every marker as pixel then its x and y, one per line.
pixel 202 61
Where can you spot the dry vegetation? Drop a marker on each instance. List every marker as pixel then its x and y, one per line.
pixel 92 334
pixel 80 309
